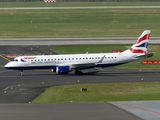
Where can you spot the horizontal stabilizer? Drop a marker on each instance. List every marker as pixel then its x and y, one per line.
pixel 145 56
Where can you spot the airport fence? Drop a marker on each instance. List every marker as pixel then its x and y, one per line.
pixel 82 0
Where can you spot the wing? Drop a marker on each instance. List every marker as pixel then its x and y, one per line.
pixel 82 65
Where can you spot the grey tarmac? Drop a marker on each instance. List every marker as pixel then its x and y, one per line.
pixel 148 110
pixel 64 111
pixel 71 41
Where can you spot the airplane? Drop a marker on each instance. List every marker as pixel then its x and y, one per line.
pixel 63 64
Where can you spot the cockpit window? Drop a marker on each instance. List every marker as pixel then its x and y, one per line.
pixel 16 60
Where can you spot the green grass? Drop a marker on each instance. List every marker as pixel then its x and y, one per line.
pixel 108 48
pixel 76 49
pixel 70 4
pixel 101 92
pixel 78 23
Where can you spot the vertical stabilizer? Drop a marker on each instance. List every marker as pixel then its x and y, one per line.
pixel 141 44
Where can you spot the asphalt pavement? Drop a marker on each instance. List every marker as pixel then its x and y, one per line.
pixel 65 111
pixel 71 41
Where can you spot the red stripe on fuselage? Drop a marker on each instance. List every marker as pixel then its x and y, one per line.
pixel 29 58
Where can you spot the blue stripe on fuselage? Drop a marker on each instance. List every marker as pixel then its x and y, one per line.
pixel 54 67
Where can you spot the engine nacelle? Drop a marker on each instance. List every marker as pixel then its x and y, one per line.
pixel 63 69
pixel 53 69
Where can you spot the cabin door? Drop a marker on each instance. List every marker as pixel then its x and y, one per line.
pixel 120 56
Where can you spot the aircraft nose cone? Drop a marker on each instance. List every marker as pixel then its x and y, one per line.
pixel 6 66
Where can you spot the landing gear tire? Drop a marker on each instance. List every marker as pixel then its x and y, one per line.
pixel 78 72
pixel 21 74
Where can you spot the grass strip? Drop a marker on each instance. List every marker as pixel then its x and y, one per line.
pixel 76 49
pixel 76 4
pixel 79 23
pixel 103 92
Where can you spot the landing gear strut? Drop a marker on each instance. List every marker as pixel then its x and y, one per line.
pixel 21 72
pixel 78 72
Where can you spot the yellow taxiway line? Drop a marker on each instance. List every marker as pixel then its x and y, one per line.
pixel 4 58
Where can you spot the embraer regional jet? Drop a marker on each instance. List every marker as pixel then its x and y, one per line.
pixel 63 64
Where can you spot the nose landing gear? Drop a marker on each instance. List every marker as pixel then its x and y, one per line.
pixel 21 72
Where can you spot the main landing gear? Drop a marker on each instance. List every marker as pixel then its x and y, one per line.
pixel 21 72
pixel 78 72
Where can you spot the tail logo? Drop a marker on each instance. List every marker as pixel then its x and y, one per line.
pixel 140 46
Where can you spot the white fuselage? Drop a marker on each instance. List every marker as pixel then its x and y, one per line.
pixel 71 60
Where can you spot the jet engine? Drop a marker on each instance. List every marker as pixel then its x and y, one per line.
pixel 53 69
pixel 63 69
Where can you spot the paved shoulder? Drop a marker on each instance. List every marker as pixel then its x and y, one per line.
pixel 65 111
pixel 148 110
